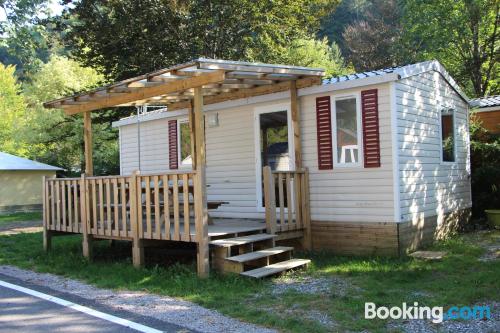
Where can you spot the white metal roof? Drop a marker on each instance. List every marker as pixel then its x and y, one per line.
pixel 398 73
pixel 11 162
pixel 338 83
pixel 486 102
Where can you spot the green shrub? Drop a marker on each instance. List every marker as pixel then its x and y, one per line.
pixel 485 168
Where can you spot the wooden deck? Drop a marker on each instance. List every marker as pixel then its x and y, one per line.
pixel 234 227
pixel 146 208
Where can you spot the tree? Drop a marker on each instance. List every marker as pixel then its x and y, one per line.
pixel 345 14
pixel 128 37
pixel 26 39
pixel 12 111
pixel 485 168
pixel 56 138
pixel 316 53
pixel 372 41
pixel 461 34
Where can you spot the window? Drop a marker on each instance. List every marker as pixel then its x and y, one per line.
pixel 347 131
pixel 185 144
pixel 447 136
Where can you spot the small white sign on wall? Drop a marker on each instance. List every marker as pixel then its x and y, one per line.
pixel 213 119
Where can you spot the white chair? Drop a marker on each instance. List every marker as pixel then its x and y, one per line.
pixel 351 149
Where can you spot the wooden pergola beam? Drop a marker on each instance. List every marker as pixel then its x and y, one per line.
pixel 295 113
pixel 179 78
pixel 251 92
pixel 262 68
pixel 148 92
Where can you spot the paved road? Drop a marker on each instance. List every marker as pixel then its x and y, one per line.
pixel 21 312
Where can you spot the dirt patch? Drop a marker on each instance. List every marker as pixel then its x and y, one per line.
pixel 296 311
pixel 428 255
pixel 17 227
pixel 310 285
pixel 492 253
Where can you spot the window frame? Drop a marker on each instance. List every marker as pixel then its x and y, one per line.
pixel 334 99
pixel 181 165
pixel 454 127
pixel 257 111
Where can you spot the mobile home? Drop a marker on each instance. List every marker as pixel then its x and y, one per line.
pixel 373 163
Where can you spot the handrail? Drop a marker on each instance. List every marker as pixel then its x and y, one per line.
pixel 293 171
pixel 286 200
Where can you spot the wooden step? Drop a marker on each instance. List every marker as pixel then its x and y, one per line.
pixel 228 242
pixel 276 268
pixel 260 254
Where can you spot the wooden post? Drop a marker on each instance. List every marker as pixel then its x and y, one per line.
pixel 200 186
pixel 47 239
pixel 137 245
pixel 294 106
pixel 269 200
pixel 192 135
pixel 265 160
pixel 306 213
pixel 85 219
pixel 87 138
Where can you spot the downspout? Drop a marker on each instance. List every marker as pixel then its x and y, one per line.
pixel 395 162
pixel 139 136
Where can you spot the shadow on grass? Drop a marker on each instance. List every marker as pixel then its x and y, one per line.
pixel 23 216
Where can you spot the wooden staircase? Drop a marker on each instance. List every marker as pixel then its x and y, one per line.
pixel 253 255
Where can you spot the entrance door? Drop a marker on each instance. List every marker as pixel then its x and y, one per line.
pixel 273 145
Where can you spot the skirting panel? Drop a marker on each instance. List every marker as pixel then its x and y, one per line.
pixel 384 238
pixel 355 238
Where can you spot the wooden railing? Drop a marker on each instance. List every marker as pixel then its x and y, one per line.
pixel 166 209
pixel 153 206
pixel 286 199
pixel 62 205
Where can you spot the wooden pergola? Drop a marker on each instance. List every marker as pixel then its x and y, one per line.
pixel 190 86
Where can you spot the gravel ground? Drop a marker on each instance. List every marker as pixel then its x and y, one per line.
pixel 492 253
pixel 163 308
pixel 310 285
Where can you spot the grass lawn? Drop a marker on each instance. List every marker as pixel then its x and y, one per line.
pixel 459 279
pixel 15 217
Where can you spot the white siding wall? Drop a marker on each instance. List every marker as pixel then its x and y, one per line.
pixel 154 147
pixel 342 194
pixel 350 194
pixel 427 186
pixel 231 163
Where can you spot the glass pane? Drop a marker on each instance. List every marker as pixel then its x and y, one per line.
pixel 448 137
pixel 274 145
pixel 185 143
pixel 347 131
pixel 274 140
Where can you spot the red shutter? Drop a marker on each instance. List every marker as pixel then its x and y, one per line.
pixel 371 139
pixel 173 156
pixel 324 133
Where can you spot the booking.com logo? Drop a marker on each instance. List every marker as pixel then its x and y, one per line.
pixel 436 313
